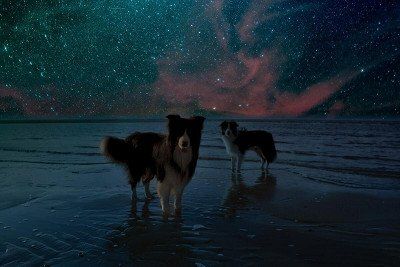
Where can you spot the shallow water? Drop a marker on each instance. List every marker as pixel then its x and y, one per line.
pixel 334 190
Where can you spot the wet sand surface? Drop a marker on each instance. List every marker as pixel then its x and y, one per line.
pixel 331 198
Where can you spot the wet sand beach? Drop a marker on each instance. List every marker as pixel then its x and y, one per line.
pixel 332 198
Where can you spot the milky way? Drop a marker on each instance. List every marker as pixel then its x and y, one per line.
pixel 255 58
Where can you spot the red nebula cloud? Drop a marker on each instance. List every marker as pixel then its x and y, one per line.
pixel 297 104
pixel 22 101
pixel 237 83
pixel 26 104
pixel 336 108
pixel 240 83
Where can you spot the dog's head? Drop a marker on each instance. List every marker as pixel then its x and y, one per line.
pixel 185 133
pixel 229 129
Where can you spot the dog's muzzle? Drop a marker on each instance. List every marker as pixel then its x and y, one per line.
pixel 184 142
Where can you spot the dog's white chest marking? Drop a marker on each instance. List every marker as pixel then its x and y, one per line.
pixel 231 148
pixel 183 158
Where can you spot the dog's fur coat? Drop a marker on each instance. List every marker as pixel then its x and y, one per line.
pixel 172 158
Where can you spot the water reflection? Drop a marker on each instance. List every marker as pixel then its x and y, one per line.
pixel 241 196
pixel 147 238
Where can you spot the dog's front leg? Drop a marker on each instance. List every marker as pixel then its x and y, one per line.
pixel 178 200
pixel 164 191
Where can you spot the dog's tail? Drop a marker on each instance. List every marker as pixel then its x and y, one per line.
pixel 118 150
pixel 271 155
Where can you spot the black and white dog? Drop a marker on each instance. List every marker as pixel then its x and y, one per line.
pixel 171 157
pixel 238 142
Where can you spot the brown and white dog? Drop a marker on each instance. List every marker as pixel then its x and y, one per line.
pixel 238 142
pixel 171 157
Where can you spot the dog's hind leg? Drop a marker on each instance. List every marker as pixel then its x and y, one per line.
pixel 147 190
pixel 263 154
pixel 133 188
pixel 134 177
pixel 133 184
pixel 146 182
pixel 260 153
pixel 266 168
pixel 239 161
pixel 233 163
pixel 262 163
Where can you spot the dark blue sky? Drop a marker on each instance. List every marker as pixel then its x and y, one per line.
pixel 257 58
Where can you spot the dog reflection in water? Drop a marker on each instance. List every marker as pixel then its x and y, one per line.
pixel 240 196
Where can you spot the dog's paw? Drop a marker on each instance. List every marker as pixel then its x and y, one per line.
pixel 165 215
pixel 178 212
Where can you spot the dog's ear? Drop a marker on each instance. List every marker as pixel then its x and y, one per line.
pixel 173 116
pixel 199 120
pixel 223 124
pixel 173 120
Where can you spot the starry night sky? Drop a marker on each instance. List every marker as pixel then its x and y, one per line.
pixel 148 57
